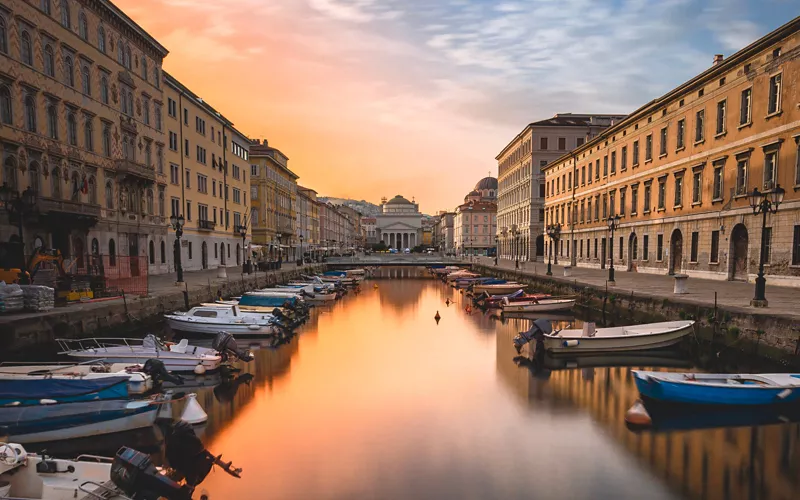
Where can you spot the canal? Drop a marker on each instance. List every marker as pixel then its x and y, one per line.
pixel 375 399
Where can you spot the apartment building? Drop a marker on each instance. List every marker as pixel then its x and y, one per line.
pixel 276 202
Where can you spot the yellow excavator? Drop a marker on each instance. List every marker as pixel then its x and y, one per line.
pixel 65 283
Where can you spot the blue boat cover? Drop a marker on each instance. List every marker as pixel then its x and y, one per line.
pixel 518 293
pixel 55 388
pixel 340 274
pixel 266 301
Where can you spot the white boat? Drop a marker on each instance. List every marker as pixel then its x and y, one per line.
pixel 138 381
pixel 180 357
pixel 616 339
pixel 212 320
pixel 498 289
pixel 538 305
pixel 460 274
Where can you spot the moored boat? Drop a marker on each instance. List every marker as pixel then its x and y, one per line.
pixel 589 340
pixel 498 289
pixel 138 381
pixel 25 390
pixel 536 305
pixel 212 320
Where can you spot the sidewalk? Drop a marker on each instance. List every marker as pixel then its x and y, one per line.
pixel 733 295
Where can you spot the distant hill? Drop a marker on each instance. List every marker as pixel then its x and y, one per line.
pixel 362 206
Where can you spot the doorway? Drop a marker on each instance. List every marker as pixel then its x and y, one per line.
pixel 204 255
pixel 133 253
pixel 739 246
pixel 676 252
pixel 77 244
pixel 540 246
pixel 603 253
pixel 633 250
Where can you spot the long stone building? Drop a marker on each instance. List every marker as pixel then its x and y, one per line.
pixel 678 171
pixel 520 196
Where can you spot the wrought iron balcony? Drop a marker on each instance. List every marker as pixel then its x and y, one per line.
pixel 206 225
pixel 52 205
pixel 130 167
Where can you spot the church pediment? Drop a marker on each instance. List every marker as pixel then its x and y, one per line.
pixel 399 226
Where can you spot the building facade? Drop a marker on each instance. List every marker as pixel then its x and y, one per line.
pixel 333 225
pixel 520 197
pixel 81 126
pixel 444 232
pixel 206 181
pixel 475 221
pixel 308 221
pixel 678 170
pixel 368 227
pixel 276 204
pixel 399 224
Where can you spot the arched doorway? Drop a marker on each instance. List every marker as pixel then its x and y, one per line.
pixel 675 252
pixel 540 246
pixel 204 255
pixel 152 250
pixel 633 251
pixel 739 246
pixel 222 254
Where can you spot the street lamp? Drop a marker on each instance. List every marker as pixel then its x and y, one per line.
pixel 19 205
pixel 279 236
pixel 613 223
pixel 764 203
pixel 177 223
pixel 301 250
pixel 496 251
pixel 554 232
pixel 243 233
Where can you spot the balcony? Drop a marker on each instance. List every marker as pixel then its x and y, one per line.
pixel 206 225
pixel 59 212
pixel 134 169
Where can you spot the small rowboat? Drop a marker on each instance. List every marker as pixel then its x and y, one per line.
pixel 498 289
pixel 538 305
pixel 616 339
pixel 717 389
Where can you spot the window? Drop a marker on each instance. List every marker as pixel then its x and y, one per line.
pixel 86 81
pixel 157 109
pixel 678 191
pixel 718 178
pixel 30 113
pixel 660 247
pixel 699 126
pixel 26 48
pixel 721 114
pixel 797 161
pixel 214 187
pixel 148 154
pixel 55 186
pixel 173 141
pixel 190 249
pixel 697 186
pixel 613 162
pixel 112 253
pixel 605 165
pixel 681 134
pixel 52 121
pixel 645 247
pixel 69 71
pixel 796 246
pixel 174 174
pixel 622 201
pixel 237 195
pixel 770 168
pixel 188 179
pixel 65 17
pixel 595 248
pixel 662 192
pixel 253 168
pixel 714 257
pixel 186 147
pixel 5 105
pixel 188 210
pixel 49 61
pixel 543 143
pixel 101 39
pixel 562 143
pixel 647 200
pixel 648 147
pixel 171 107
pixel 146 111
pixel 83 27
pixel 597 169
pixel 767 244
pixel 634 199
pixel 127 56
pixel 175 206
pixel 202 183
pixel 109 195
pixel 72 129
pixel 635 153
pixel 47 7
pixel 161 202
pixel 741 175
pixel 579 142
pixel 150 206
pixel 611 204
pixel 145 76
pixel 693 248
pixel 104 89
pixel 160 159
pixel 88 135
pixel 663 145
pixel 185 116
pixel 774 105
pixel 3 35
pixel 746 106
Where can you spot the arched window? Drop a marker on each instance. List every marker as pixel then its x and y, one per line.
pixel 156 78
pixel 55 183
pixel 5 105
pixel 52 121
pixel 92 191
pixel 146 111
pixel 130 103
pixel 161 203
pixel 25 48
pixel 127 56
pixel 65 17
pixel 106 140
pixel 150 209
pixel 10 173
pixel 123 100
pixel 86 80
pixel 144 69
pixel 163 252
pixel 69 71
pixel 83 26
pixel 112 253
pixel 76 187
pixel 101 39
pixel 152 252
pixel 72 129
pixel 3 35
pixel 125 147
pixel 88 135
pixel 148 155
pixel 109 195
pixel 120 53
pixel 30 113
pixel 104 89
pixel 49 61
pixel 95 247
pixel 33 176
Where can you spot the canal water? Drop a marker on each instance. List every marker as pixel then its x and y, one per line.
pixel 375 400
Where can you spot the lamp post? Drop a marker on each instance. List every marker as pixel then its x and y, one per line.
pixel 279 236
pixel 496 250
pixel 19 205
pixel 243 233
pixel 301 250
pixel 177 223
pixel 554 232
pixel 764 203
pixel 613 223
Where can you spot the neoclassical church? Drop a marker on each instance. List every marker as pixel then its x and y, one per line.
pixel 399 225
pixel 475 222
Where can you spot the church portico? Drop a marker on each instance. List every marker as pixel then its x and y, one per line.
pixel 399 224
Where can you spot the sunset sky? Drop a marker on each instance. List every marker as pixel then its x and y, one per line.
pixel 372 98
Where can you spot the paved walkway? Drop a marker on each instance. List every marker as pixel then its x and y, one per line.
pixel 733 295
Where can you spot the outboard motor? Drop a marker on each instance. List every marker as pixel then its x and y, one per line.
pixel 226 346
pixel 187 455
pixel 135 474
pixel 158 372
pixel 538 330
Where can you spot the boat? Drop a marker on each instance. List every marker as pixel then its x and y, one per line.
pixel 54 422
pixel 177 357
pixel 719 389
pixel 502 288
pixel 486 300
pixel 212 320
pixel 535 305
pixel 138 381
pixel 591 340
pixel 28 391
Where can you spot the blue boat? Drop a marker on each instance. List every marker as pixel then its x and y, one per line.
pixel 719 389
pixel 22 392
pixel 267 301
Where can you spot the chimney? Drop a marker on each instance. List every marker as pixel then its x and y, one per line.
pixel 718 58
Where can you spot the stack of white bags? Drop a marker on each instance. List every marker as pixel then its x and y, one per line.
pixel 38 298
pixel 11 298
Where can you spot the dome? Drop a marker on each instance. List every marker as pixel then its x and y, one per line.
pixel 486 183
pixel 398 200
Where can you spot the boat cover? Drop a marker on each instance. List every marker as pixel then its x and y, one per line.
pixel 56 388
pixel 266 300
pixel 516 294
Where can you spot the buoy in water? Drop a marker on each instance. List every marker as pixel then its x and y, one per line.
pixel 375 286
pixel 193 413
pixel 447 302
pixel 637 415
pixel 437 317
pixel 468 309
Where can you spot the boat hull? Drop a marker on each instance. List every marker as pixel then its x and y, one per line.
pixel 241 329
pixel 689 393
pixel 171 362
pixel 535 307
pixel 596 345
pixel 497 289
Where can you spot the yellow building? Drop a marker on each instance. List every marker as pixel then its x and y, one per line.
pixel 275 202
pixel 206 178
pixel 677 172
pixel 81 126
pixel 308 220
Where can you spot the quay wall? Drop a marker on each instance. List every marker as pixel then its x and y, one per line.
pixel 118 317
pixel 776 336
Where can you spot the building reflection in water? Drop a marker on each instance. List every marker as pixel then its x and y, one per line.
pixel 753 463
